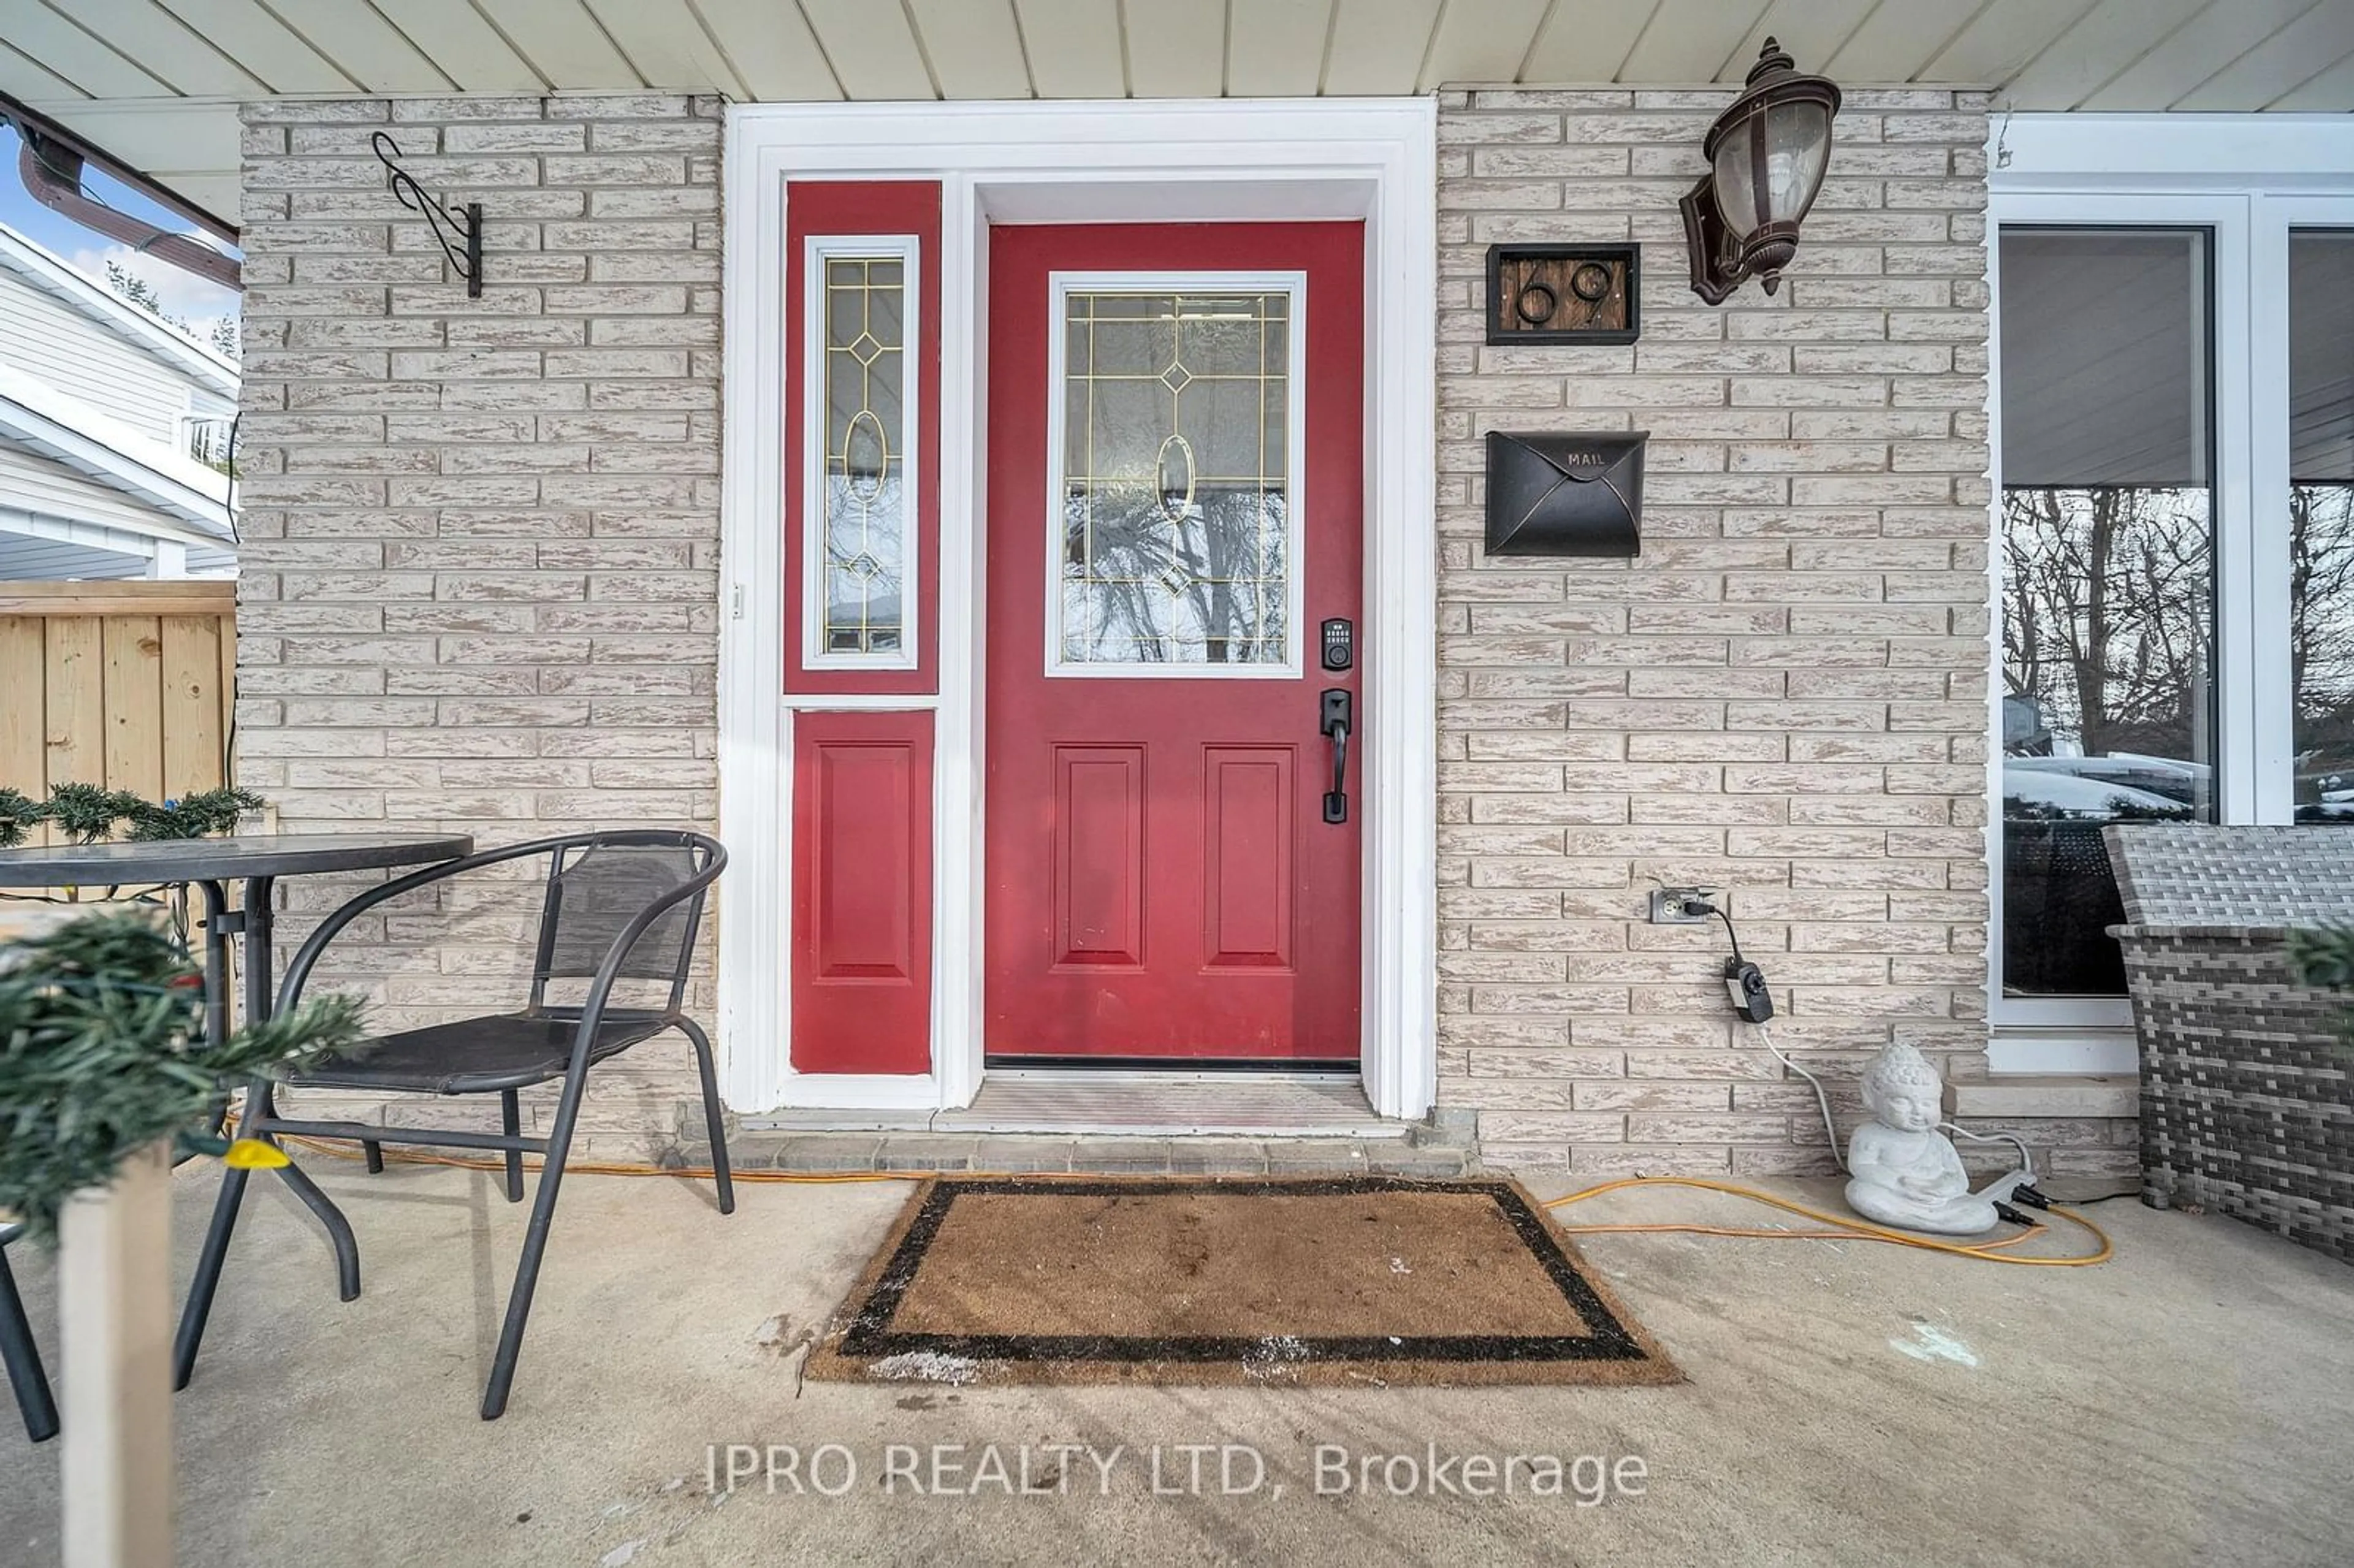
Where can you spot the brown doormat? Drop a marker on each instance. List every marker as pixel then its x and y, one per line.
pixel 1344 1282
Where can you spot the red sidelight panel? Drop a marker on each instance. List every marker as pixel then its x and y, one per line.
pixel 818 209
pixel 862 450
pixel 862 953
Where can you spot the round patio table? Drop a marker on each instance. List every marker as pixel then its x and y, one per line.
pixel 258 860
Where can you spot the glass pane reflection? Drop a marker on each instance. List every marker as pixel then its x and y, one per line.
pixel 1176 519
pixel 2108 580
pixel 2321 519
pixel 866 452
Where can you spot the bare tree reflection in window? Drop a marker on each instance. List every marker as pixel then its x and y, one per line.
pixel 2108 567
pixel 1176 517
pixel 865 457
pixel 2321 646
pixel 2105 625
pixel 2321 519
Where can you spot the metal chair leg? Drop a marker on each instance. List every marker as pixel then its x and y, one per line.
pixel 375 1152
pixel 208 1276
pixel 534 1247
pixel 339 1229
pixel 23 1359
pixel 511 1123
pixel 260 1104
pixel 714 1120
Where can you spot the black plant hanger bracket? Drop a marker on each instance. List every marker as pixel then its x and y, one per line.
pixel 460 231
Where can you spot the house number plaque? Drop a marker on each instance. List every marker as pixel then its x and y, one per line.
pixel 1562 293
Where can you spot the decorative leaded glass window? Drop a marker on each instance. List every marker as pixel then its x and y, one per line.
pixel 862 417
pixel 1176 541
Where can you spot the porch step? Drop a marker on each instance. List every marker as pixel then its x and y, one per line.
pixel 1171 1105
pixel 976 1152
pixel 1127 1123
pixel 2007 1096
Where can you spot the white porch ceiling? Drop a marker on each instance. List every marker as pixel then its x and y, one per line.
pixel 152 80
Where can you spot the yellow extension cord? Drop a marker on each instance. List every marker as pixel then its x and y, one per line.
pixel 1863 1229
pixel 1841 1227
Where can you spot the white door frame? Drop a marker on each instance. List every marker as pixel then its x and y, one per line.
pixel 1068 161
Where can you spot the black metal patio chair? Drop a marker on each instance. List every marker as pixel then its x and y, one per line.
pixel 22 1357
pixel 617 905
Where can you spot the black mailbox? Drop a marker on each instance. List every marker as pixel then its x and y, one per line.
pixel 1574 494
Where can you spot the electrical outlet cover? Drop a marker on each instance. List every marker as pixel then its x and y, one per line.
pixel 1667 905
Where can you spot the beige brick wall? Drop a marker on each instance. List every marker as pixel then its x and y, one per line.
pixel 1783 697
pixel 481 591
pixel 481 536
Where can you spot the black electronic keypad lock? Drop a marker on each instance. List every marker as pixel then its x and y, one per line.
pixel 1340 644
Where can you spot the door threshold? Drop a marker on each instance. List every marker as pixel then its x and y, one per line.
pixel 1214 1066
pixel 1133 1104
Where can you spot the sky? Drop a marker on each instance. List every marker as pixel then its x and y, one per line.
pixel 192 299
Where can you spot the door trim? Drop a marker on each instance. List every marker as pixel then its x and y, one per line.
pixel 1373 160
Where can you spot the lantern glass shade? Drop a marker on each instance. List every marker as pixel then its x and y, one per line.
pixel 1767 156
pixel 1798 145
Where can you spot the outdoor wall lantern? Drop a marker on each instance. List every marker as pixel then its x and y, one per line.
pixel 1767 156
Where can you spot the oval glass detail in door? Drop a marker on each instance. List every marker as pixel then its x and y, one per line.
pixel 1177 532
pixel 1176 478
pixel 866 454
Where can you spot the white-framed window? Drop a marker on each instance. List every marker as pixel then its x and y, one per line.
pixel 208 438
pixel 860 402
pixel 2172 421
pixel 1176 437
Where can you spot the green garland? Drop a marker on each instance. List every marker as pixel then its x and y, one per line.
pixel 191 816
pixel 89 812
pixel 86 812
pixel 19 814
pixel 2324 958
pixel 100 1055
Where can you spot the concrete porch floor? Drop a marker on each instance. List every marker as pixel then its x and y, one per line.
pixel 1848 1403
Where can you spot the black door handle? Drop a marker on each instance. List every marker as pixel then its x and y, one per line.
pixel 1336 714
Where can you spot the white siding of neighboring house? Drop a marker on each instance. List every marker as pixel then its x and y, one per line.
pixel 42 560
pixel 74 355
pixel 43 336
pixel 63 501
pixel 33 482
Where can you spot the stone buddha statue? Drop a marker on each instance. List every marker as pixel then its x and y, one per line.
pixel 1901 1170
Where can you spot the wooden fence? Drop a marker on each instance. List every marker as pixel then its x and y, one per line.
pixel 127 684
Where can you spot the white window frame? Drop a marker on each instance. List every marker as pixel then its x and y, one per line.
pixel 1060 287
pixel 190 446
pixel 817 451
pixel 2247 179
pixel 2272 219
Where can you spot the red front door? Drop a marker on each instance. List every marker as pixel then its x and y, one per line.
pixel 1175 489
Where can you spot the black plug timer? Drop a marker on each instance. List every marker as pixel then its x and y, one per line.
pixel 1746 984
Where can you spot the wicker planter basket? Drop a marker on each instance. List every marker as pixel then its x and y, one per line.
pixel 2247 1082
